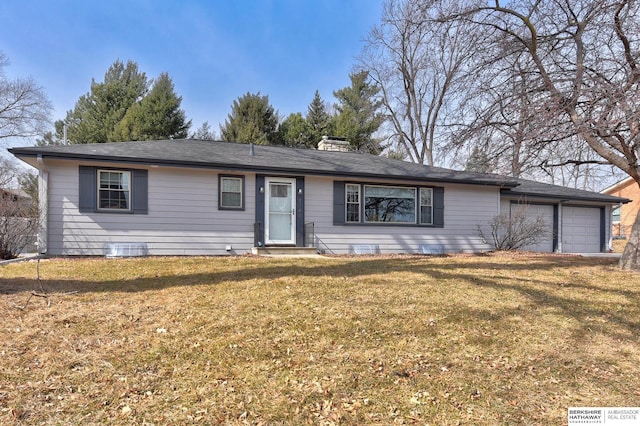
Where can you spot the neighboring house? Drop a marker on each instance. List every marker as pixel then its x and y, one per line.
pixel 14 202
pixel 17 225
pixel 624 215
pixel 193 197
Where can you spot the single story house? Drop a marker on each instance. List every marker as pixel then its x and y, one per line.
pixel 623 216
pixel 195 197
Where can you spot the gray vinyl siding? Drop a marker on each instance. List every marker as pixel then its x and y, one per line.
pixel 183 216
pixel 182 219
pixel 465 206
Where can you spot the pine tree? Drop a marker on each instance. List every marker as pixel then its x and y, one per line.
pixel 479 161
pixel 295 131
pixel 251 120
pixel 122 108
pixel 358 116
pixel 96 114
pixel 156 116
pixel 318 119
pixel 204 132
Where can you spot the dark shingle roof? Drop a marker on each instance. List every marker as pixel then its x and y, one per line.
pixel 528 188
pixel 277 159
pixel 229 155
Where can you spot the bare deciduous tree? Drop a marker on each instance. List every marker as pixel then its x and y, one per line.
pixel 505 121
pixel 24 106
pixel 416 61
pixel 19 217
pixel 583 58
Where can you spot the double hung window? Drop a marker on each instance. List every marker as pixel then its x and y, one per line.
pixel 426 206
pixel 353 203
pixel 231 192
pixel 114 190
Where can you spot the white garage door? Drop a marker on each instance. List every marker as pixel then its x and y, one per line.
pixel 533 211
pixel 580 229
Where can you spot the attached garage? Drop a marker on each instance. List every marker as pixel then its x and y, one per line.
pixel 546 212
pixel 582 229
pixel 580 219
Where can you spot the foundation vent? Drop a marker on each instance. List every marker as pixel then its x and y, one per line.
pixel 364 249
pixel 431 249
pixel 125 249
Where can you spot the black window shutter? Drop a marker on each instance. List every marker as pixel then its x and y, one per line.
pixel 140 192
pixel 338 203
pixel 88 189
pixel 438 207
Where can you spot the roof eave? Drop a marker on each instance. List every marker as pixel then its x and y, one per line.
pixel 618 185
pixel 18 152
pixel 617 200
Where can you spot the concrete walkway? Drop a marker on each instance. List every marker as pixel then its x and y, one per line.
pixel 609 255
pixel 21 258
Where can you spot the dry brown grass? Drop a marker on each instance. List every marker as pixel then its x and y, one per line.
pixel 619 245
pixel 478 340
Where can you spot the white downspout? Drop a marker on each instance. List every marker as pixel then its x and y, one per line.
pixel 43 204
pixel 609 219
pixel 559 248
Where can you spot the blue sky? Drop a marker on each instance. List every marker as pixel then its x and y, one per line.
pixel 214 51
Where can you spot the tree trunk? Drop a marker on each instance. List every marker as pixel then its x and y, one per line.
pixel 630 259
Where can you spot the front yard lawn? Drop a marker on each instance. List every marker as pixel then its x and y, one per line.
pixel 483 340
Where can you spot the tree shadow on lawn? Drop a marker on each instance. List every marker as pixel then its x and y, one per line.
pixel 593 316
pixel 272 269
pixel 539 292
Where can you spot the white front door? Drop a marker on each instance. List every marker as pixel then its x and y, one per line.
pixel 280 211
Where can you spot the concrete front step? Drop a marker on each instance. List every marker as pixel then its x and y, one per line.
pixel 284 251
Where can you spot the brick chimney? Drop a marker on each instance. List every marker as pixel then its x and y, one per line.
pixel 327 144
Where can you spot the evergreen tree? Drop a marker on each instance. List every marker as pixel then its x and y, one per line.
pixel 204 132
pixel 318 118
pixel 358 116
pixel 295 131
pixel 48 139
pixel 96 114
pixel 479 161
pixel 122 108
pixel 252 120
pixel 156 116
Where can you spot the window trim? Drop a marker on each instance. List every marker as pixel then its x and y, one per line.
pixel 242 192
pixel 346 203
pixel 129 190
pixel 437 205
pixel 88 196
pixel 419 205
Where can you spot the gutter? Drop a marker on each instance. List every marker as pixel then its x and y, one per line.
pixel 609 200
pixel 258 169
